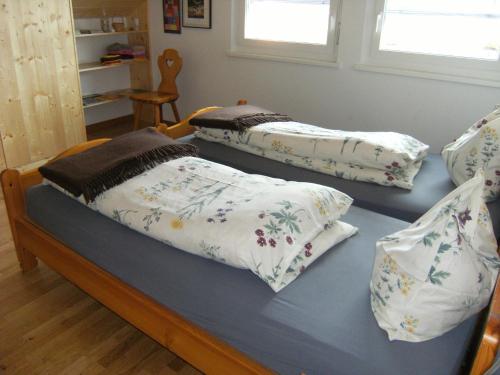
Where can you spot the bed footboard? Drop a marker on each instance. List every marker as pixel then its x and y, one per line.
pixel 14 185
pixel 14 202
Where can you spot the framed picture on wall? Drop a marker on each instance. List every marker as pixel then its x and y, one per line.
pixel 197 13
pixel 172 16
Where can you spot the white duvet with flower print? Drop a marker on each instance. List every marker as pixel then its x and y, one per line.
pixel 439 271
pixel 270 226
pixel 478 147
pixel 385 158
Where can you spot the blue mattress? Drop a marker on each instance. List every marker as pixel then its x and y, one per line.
pixel 320 324
pixel 430 185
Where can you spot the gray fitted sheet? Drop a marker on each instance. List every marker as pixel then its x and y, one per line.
pixel 431 184
pixel 320 324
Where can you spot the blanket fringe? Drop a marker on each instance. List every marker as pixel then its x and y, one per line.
pixel 244 122
pixel 134 167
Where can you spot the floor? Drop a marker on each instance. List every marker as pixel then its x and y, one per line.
pixel 49 326
pixel 111 129
pixel 114 128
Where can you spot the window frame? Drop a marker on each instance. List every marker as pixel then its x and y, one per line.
pixel 461 69
pixel 315 54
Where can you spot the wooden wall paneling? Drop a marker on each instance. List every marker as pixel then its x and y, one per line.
pixel 47 131
pixel 11 119
pixel 23 24
pixel 41 101
pixel 67 72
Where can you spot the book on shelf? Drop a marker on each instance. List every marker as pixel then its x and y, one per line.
pixel 94 99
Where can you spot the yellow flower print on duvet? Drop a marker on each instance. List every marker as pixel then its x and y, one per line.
pixel 389 265
pixel 405 283
pixel 177 224
pixel 391 280
pixel 321 208
pixel 489 132
pixel 323 200
pixel 148 197
pixel 280 147
pixel 409 324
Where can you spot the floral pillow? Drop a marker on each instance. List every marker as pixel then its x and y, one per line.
pixel 439 271
pixel 478 147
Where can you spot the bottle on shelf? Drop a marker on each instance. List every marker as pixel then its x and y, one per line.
pixel 105 25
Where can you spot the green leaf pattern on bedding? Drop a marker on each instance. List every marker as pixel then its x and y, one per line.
pixel 272 227
pixel 440 270
pixel 389 159
pixel 477 148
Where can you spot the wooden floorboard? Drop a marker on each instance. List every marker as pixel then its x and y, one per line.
pixel 49 326
pixel 110 128
pixel 115 127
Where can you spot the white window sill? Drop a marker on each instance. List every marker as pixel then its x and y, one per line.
pixel 423 73
pixel 286 59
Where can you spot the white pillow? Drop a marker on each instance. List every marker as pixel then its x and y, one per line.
pixel 439 271
pixel 478 147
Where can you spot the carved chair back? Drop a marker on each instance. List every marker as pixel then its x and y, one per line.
pixel 170 64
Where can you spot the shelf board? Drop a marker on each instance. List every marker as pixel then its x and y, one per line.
pixel 103 102
pixel 110 33
pixel 116 95
pixel 87 67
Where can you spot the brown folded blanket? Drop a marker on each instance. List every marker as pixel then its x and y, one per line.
pixel 98 169
pixel 238 118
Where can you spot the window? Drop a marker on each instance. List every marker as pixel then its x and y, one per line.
pixel 279 21
pixel 452 37
pixel 294 30
pixel 448 28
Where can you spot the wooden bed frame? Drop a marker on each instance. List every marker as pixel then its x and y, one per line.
pixel 193 344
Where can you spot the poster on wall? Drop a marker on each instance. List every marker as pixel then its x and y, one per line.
pixel 197 13
pixel 172 16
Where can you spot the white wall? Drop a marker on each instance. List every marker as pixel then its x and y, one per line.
pixel 433 111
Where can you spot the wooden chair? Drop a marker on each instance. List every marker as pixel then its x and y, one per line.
pixel 170 64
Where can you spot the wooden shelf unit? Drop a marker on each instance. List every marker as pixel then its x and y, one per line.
pixel 110 33
pixel 87 67
pixel 114 96
pixel 139 69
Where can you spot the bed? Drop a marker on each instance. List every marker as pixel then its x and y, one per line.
pixel 430 185
pixel 82 246
pixel 303 328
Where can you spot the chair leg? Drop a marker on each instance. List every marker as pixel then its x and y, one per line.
pixel 157 109
pixel 137 115
pixel 176 113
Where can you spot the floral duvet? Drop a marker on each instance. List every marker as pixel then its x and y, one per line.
pixel 270 226
pixel 385 158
